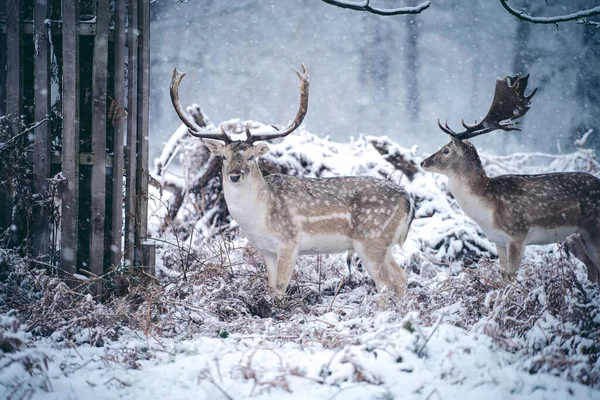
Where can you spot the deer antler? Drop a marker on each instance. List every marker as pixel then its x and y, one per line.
pixel 509 104
pixel 304 85
pixel 193 128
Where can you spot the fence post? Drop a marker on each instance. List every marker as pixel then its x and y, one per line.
pixel 14 86
pixel 98 184
pixel 118 134
pixel 70 133
pixel 131 153
pixel 143 132
pixel 42 135
pixel 2 67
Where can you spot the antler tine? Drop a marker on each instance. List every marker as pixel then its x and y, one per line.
pixel 193 128
pixel 509 104
pixel 304 86
pixel 446 128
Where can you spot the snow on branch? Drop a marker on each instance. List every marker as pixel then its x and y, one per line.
pixel 364 6
pixel 579 16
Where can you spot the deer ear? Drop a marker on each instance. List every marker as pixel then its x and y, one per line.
pixel 260 149
pixel 215 146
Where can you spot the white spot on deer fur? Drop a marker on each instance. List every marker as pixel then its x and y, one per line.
pixel 318 218
pixel 373 198
pixel 368 211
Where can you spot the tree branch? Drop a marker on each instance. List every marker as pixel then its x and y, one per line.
pixel 364 6
pixel 579 16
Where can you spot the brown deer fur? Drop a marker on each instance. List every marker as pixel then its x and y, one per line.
pixel 518 210
pixel 285 216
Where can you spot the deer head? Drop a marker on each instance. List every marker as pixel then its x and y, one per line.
pixel 459 157
pixel 239 157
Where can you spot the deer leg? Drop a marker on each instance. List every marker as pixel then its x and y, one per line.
pixel 502 257
pixel 372 260
pixel 514 257
pixel 393 273
pixel 271 264
pixel 349 261
pixel 576 245
pixel 286 261
pixel 592 249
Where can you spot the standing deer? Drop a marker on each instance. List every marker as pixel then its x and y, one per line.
pixel 517 210
pixel 284 216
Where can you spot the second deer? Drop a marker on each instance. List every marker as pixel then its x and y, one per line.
pixel 517 210
pixel 284 216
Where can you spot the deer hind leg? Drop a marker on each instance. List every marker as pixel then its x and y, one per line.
pixel 576 245
pixel 592 249
pixel 382 267
pixel 502 257
pixel 286 261
pixel 514 256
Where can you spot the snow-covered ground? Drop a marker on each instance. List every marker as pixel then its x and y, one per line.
pixel 208 328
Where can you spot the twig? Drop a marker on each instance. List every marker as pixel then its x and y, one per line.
pixel 74 348
pixel 435 328
pixel 336 294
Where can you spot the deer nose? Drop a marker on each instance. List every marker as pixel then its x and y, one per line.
pixel 234 177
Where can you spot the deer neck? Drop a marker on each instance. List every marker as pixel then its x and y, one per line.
pixel 246 201
pixel 469 184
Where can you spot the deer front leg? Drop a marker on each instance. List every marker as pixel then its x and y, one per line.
pixel 515 250
pixel 286 261
pixel 502 257
pixel 271 264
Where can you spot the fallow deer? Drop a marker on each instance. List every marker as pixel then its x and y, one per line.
pixel 286 216
pixel 517 210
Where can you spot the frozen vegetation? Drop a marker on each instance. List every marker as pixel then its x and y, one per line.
pixel 207 328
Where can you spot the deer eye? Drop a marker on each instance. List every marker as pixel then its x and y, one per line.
pixel 250 158
pixel 445 151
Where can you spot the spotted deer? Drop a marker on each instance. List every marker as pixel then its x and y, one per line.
pixel 286 216
pixel 517 210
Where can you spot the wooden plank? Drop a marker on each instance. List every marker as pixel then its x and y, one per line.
pixel 131 153
pixel 70 136
pixel 14 84
pixel 143 119
pixel 3 61
pixel 99 111
pixel 42 134
pixel 5 204
pixel 14 75
pixel 119 135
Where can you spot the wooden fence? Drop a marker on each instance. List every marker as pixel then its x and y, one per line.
pixel 79 72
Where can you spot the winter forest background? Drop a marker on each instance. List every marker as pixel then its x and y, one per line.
pixel 378 75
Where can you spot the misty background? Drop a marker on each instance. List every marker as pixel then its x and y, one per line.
pixel 393 75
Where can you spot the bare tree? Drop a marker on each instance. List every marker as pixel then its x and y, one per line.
pixel 579 16
pixel 364 6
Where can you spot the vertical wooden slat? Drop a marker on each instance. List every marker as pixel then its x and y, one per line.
pixel 131 154
pixel 98 184
pixel 4 201
pixel 70 132
pixel 119 134
pixel 142 115
pixel 14 81
pixel 42 137
pixel 3 63
pixel 14 87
